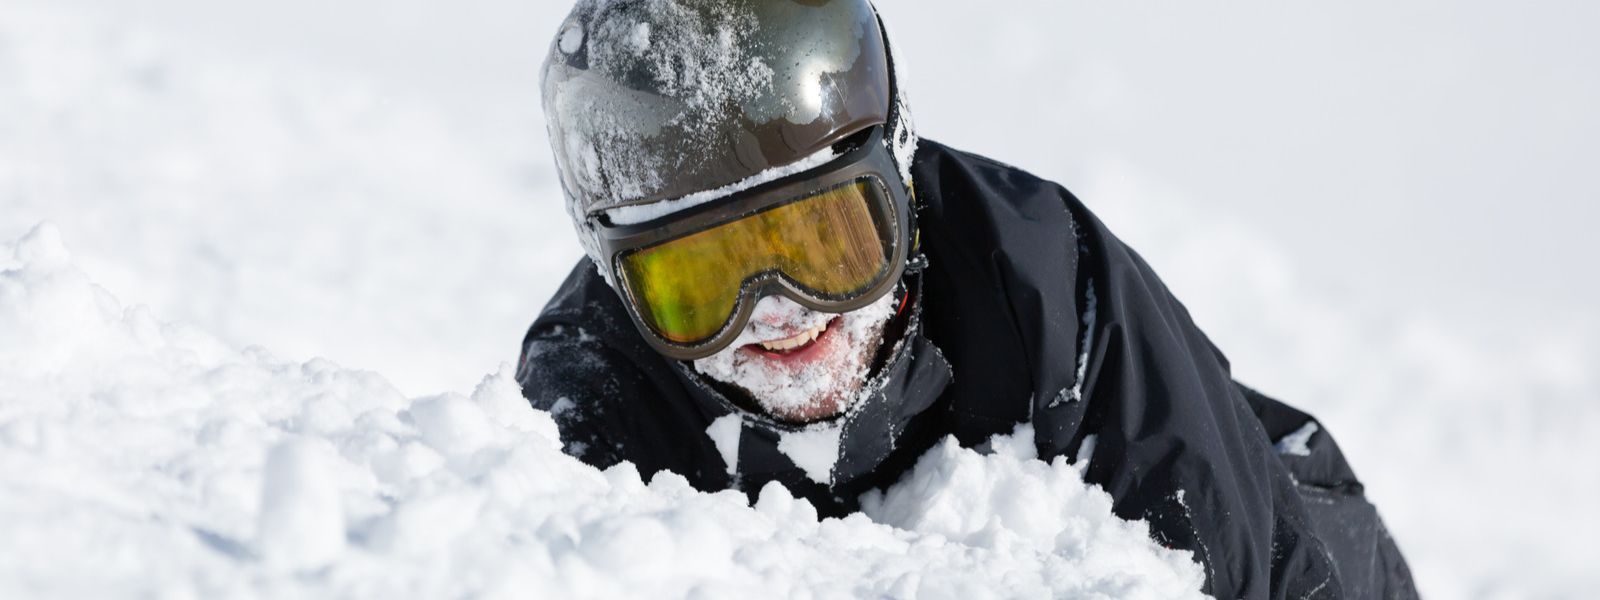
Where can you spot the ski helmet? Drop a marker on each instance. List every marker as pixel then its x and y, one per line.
pixel 654 100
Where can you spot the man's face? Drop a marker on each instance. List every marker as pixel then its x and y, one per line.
pixel 798 364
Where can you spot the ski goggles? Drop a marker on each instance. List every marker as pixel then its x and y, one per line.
pixel 833 239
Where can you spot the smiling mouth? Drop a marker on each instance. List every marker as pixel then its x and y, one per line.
pixel 796 343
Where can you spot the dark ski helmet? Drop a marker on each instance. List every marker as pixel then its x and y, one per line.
pixel 652 100
pixel 657 107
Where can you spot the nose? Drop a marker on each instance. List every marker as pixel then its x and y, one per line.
pixel 777 311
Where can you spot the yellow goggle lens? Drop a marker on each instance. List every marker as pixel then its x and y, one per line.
pixel 686 289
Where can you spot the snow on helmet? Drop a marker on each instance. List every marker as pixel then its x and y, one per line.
pixel 653 100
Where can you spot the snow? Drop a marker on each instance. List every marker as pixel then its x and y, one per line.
pixel 571 39
pixel 725 433
pixel 814 448
pixel 1297 442
pixel 839 373
pixel 379 193
pixel 698 57
pixel 233 191
pixel 301 522
pixel 1090 310
pixel 639 39
pixel 642 213
pixel 1086 450
pixel 142 458
pixel 1034 509
pixel 904 144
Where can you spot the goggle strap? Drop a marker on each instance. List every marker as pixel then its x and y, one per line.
pixel 905 299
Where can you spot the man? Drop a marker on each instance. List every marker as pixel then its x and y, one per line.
pixel 785 285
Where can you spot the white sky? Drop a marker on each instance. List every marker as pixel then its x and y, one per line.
pixel 1435 154
pixel 1428 153
pixel 1431 155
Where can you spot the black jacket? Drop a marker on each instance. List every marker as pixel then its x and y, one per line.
pixel 1024 290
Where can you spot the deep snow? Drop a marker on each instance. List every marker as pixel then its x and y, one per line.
pixel 372 185
pixel 147 459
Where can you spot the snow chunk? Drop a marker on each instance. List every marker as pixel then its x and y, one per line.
pixel 814 449
pixel 1017 445
pixel 1086 451
pixel 639 39
pixel 451 424
pixel 571 40
pixel 1298 443
pixel 1018 506
pixel 500 398
pixel 725 432
pixel 1091 306
pixel 301 521
pixel 42 246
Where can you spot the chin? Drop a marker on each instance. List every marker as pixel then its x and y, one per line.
pixel 823 409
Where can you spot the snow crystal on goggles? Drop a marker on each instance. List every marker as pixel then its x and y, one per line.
pixel 832 239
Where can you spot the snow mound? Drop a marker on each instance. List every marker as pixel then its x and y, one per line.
pixel 147 459
pixel 227 192
pixel 1012 504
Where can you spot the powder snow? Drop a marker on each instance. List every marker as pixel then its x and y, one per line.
pixel 141 458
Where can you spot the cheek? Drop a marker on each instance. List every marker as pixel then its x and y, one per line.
pixel 840 354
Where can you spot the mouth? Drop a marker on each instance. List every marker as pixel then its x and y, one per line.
pixel 796 345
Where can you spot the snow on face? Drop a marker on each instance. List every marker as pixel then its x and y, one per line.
pixel 818 381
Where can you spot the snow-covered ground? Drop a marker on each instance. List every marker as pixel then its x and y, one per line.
pixel 149 459
pixel 368 183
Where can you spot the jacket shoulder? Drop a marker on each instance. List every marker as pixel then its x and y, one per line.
pixel 947 171
pixel 1004 254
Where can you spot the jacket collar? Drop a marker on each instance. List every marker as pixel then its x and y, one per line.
pixel 906 386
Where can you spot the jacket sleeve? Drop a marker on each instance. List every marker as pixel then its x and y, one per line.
pixel 1366 557
pixel 571 375
pixel 572 367
pixel 1176 441
pixel 1179 447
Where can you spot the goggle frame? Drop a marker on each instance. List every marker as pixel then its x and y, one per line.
pixel 871 160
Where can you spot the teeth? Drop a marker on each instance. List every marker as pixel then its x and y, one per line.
pixel 805 337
